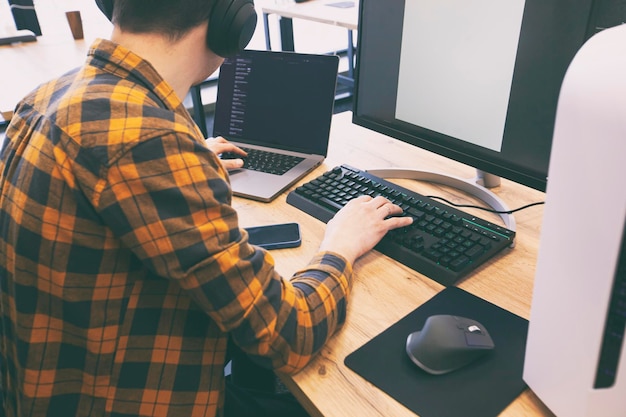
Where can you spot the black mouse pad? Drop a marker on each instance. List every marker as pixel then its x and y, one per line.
pixel 483 388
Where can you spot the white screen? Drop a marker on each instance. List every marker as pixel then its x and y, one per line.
pixel 455 78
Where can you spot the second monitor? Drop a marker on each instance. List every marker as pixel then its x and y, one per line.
pixel 474 81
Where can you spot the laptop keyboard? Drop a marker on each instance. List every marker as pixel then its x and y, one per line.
pixel 264 161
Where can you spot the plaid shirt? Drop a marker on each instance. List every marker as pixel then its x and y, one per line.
pixel 123 268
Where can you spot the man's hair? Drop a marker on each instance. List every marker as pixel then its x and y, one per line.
pixel 172 18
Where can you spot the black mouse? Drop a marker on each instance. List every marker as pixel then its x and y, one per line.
pixel 447 343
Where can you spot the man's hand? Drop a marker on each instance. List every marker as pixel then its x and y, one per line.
pixel 219 145
pixel 360 225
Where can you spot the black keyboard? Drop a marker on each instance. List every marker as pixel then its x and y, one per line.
pixel 265 161
pixel 443 243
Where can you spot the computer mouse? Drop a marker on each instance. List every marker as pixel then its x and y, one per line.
pixel 447 343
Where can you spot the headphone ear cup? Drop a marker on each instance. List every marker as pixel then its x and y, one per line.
pixel 231 26
pixel 106 6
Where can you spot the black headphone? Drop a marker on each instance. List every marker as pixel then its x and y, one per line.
pixel 231 24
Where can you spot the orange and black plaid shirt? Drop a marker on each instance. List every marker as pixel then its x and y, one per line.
pixel 122 265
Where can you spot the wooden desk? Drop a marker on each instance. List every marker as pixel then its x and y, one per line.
pixel 384 291
pixel 319 11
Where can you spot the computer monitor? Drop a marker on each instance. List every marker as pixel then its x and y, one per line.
pixel 475 81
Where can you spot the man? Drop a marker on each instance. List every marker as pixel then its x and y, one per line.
pixel 123 268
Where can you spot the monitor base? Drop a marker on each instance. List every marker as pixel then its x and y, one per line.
pixel 469 186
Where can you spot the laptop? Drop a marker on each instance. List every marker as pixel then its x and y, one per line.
pixel 276 102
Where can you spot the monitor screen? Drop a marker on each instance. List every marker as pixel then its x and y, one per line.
pixel 476 81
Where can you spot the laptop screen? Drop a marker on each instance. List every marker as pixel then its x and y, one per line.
pixel 278 99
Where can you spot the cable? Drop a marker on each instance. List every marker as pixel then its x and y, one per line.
pixel 484 208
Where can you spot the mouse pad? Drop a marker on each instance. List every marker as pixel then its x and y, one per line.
pixel 483 388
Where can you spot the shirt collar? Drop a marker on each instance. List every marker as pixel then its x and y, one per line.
pixel 123 63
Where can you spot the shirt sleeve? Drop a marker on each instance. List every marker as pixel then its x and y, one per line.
pixel 169 201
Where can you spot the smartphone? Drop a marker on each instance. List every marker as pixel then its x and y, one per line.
pixel 275 236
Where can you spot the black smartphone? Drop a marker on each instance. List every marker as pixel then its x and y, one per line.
pixel 275 236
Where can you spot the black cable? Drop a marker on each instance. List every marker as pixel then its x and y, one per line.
pixel 484 208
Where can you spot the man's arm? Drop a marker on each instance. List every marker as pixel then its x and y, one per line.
pixel 169 201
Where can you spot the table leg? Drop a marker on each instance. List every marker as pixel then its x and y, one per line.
pixel 198 109
pixel 266 28
pixel 286 34
pixel 350 55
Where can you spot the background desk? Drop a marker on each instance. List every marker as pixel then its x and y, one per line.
pixel 26 65
pixel 384 291
pixel 320 11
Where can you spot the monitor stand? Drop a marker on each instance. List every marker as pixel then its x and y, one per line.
pixel 470 186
